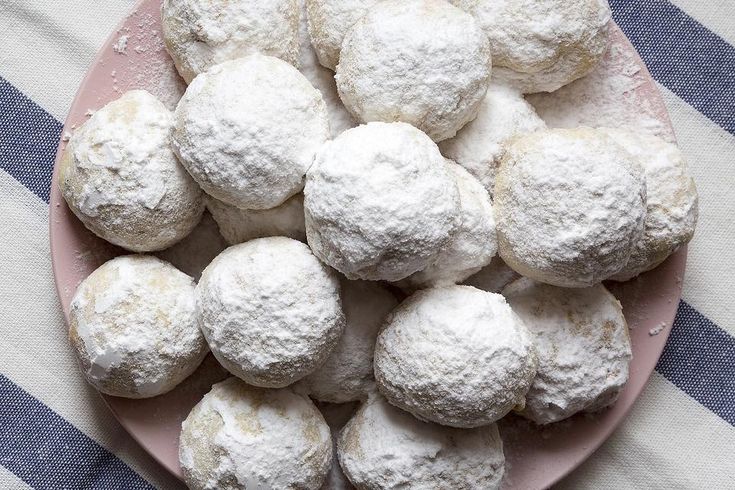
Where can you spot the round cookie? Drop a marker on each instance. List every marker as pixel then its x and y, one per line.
pixel 478 146
pixel 672 201
pixel 133 327
pixel 202 33
pixel 456 356
pixel 384 447
pixel 540 46
pixel 241 437
pixel 329 21
pixel 270 311
pixel 583 347
pixel 322 78
pixel 121 179
pixel 424 62
pixel 472 246
pixel 570 205
pixel 347 374
pixel 379 202
pixel 250 148
pixel 241 225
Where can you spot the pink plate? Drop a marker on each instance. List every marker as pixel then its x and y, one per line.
pixel 133 57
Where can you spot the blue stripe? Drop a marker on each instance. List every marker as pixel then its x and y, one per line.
pixel 682 54
pixel 49 453
pixel 699 359
pixel 28 140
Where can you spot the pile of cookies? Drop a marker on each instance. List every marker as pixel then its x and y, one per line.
pixel 358 206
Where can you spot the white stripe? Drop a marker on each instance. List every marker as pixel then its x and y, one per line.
pixel 668 441
pixel 11 482
pixel 715 15
pixel 710 150
pixel 34 345
pixel 48 45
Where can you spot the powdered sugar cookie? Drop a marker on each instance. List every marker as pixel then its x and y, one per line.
pixel 472 246
pixel 583 347
pixel 322 78
pixel 384 447
pixel 270 311
pixel 423 62
pixel 673 203
pixel 539 46
pixel 347 374
pixel 202 33
pixel 241 437
pixel 478 146
pixel 241 225
pixel 329 21
pixel 250 148
pixel 121 179
pixel 194 253
pixel 133 326
pixel 379 202
pixel 570 206
pixel 456 356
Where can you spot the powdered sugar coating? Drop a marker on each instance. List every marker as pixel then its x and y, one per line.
pixel 472 246
pixel 121 179
pixel 456 356
pixel 133 326
pixel 570 205
pixel 478 146
pixel 384 447
pixel 329 21
pixel 241 437
pixel 672 201
pixel 270 311
pixel 347 374
pixel 250 148
pixel 583 348
pixel 202 33
pixel 493 277
pixel 322 78
pixel 241 225
pixel 424 62
pixel 379 202
pixel 540 46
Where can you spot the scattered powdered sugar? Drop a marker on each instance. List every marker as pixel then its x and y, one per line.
pixel 250 148
pixel 424 62
pixel 133 325
pixel 241 437
pixel 270 310
pixel 478 146
pixel 347 374
pixel 457 356
pixel 379 202
pixel 570 205
pixel 384 447
pixel 657 329
pixel 616 94
pixel 473 244
pixel 121 179
pixel 121 44
pixel 583 347
pixel 202 33
pixel 241 225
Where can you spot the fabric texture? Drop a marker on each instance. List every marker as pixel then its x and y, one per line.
pixel 55 432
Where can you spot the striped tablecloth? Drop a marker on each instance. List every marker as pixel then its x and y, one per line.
pixel 55 431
